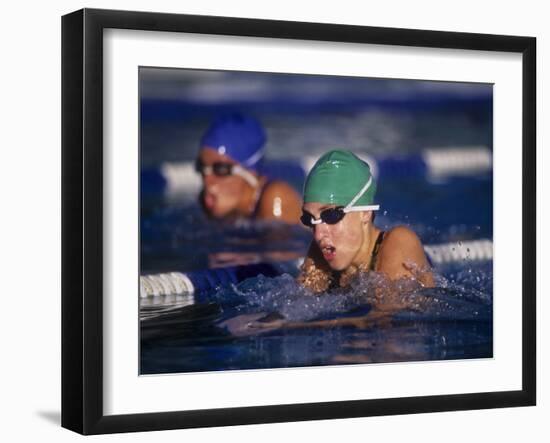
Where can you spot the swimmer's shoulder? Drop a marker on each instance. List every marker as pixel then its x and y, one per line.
pixel 279 188
pixel 401 250
pixel 279 201
pixel 401 236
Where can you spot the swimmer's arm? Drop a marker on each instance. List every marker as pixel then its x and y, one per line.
pixel 373 318
pixel 402 256
pixel 280 201
pixel 253 324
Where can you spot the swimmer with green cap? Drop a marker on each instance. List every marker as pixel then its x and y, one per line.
pixel 339 205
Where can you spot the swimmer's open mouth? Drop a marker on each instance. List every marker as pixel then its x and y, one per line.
pixel 209 200
pixel 329 252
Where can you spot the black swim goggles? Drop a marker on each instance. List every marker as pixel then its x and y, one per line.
pixel 220 169
pixel 330 216
pixel 224 169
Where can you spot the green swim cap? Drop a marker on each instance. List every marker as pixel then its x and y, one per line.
pixel 341 178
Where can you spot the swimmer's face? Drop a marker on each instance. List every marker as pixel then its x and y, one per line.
pixel 221 196
pixel 339 243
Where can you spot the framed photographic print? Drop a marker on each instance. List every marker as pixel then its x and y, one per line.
pixel 270 221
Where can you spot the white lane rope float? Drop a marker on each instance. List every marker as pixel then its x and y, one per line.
pixel 461 251
pixel 439 163
pixel 442 162
pixel 170 283
pixel 178 283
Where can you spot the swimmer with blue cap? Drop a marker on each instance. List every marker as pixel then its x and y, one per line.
pixel 339 206
pixel 229 161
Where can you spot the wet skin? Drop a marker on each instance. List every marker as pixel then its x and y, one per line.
pixel 224 196
pixel 351 242
pixel 232 196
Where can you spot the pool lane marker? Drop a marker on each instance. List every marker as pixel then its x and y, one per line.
pixel 432 162
pixel 461 251
pixel 444 162
pixel 179 283
pixel 171 283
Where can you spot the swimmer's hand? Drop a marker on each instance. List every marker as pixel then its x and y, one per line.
pixel 252 324
pixel 268 322
pixel 422 275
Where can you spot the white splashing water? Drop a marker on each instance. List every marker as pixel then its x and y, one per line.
pixel 463 298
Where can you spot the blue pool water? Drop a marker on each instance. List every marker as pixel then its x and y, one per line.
pixel 452 321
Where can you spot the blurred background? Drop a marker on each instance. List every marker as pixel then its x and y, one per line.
pixel 307 114
pixel 429 144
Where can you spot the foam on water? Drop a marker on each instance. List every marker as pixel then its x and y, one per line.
pixel 465 295
pixel 283 295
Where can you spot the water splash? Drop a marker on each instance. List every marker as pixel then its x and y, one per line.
pixel 464 296
pixel 283 295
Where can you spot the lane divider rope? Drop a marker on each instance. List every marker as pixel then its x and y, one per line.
pixel 178 283
pixel 432 162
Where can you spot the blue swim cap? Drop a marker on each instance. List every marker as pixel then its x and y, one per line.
pixel 237 136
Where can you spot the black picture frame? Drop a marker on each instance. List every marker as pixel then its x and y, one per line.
pixel 82 220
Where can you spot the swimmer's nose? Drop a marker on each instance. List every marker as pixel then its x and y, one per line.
pixel 210 180
pixel 320 231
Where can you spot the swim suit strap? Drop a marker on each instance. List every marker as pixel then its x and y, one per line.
pixel 375 250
